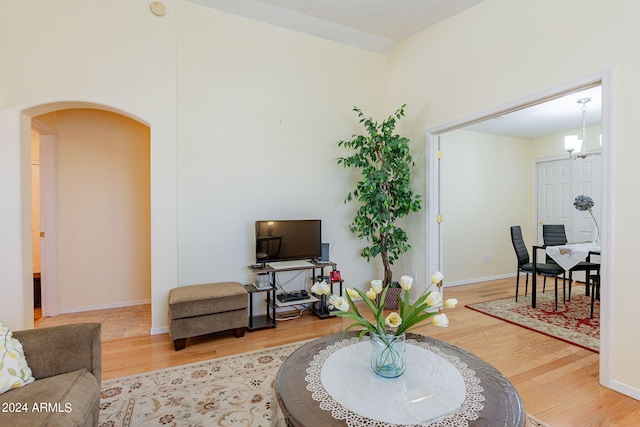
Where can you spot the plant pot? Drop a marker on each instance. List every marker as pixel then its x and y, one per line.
pixel 388 354
pixel 391 299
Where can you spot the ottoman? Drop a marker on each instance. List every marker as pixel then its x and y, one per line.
pixel 205 309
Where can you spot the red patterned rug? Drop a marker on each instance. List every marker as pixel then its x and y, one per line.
pixel 572 322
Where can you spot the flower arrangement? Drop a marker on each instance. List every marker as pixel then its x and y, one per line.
pixel 395 323
pixel 586 203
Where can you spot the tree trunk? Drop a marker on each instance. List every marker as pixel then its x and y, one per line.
pixel 388 274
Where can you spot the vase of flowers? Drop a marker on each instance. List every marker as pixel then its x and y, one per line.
pixel 387 332
pixel 585 203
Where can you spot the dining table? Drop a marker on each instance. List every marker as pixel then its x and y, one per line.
pixel 566 256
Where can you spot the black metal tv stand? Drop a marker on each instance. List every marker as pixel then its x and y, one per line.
pixel 269 320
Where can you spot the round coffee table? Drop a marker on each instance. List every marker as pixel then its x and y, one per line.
pixel 295 406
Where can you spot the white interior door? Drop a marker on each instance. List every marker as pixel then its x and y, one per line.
pixel 48 277
pixel 559 182
pixel 587 181
pixel 35 217
pixel 554 198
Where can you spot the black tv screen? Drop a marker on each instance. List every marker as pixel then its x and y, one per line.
pixel 280 240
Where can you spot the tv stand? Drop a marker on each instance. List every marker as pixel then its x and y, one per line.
pixel 269 320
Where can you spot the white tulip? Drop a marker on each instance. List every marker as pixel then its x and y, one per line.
pixel 393 320
pixel 437 278
pixel 406 282
pixel 353 294
pixel 321 288
pixel 451 303
pixel 434 299
pixel 440 320
pixel 376 285
pixel 340 303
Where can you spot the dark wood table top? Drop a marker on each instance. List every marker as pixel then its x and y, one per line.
pixel 502 405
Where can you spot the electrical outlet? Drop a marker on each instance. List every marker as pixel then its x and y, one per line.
pixel 414 275
pixel 487 258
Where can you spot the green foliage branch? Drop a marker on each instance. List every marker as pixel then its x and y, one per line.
pixel 384 192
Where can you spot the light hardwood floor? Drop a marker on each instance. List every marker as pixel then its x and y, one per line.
pixel 558 382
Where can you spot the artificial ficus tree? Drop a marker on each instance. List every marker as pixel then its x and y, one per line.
pixel 384 191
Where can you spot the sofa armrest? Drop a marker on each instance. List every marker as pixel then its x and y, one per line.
pixel 60 349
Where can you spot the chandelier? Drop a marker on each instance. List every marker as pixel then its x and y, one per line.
pixel 575 146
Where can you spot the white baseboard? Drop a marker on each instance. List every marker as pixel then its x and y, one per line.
pixel 105 306
pixel 624 389
pixel 479 279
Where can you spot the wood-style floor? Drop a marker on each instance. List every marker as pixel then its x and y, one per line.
pixel 558 382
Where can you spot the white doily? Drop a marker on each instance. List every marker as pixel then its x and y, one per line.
pixel 449 395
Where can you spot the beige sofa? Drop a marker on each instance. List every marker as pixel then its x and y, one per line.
pixel 66 362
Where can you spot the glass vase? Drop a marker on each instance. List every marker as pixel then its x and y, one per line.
pixel 388 354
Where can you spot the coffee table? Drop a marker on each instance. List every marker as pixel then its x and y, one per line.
pixel 294 404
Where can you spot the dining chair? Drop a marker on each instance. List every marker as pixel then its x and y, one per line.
pixel 555 235
pixel 525 266
pixel 595 290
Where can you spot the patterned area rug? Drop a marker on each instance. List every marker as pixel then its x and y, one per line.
pixel 572 322
pixel 229 391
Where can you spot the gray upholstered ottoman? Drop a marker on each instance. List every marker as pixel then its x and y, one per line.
pixel 204 309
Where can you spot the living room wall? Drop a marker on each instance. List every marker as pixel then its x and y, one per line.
pixel 243 116
pixel 260 112
pixel 500 51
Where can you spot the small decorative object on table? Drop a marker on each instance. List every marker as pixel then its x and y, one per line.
pixel 387 333
pixel 585 203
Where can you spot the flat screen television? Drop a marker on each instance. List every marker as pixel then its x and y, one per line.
pixel 283 240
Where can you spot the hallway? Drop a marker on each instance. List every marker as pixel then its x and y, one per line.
pixel 117 323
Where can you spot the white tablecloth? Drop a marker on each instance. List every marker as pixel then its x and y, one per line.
pixel 436 389
pixel 568 256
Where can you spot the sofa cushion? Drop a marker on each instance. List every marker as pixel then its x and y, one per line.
pixel 63 400
pixel 14 370
pixel 199 300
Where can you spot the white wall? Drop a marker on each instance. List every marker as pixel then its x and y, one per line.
pixel 116 56
pixel 486 188
pixel 260 112
pixel 500 51
pixel 244 118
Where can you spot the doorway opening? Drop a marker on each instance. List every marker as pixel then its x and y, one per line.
pixel 99 230
pixel 496 206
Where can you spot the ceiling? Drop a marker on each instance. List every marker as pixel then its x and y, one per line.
pixel 548 118
pixel 378 25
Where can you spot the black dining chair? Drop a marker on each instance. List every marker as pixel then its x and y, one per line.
pixel 525 266
pixel 595 290
pixel 555 235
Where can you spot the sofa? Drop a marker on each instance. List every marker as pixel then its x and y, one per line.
pixel 66 362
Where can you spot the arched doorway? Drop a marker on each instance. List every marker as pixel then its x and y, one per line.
pixel 96 205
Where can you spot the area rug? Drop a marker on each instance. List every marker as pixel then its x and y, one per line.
pixel 229 391
pixel 572 322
